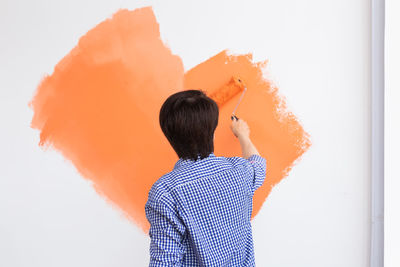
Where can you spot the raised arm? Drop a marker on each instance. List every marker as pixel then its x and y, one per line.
pixel 255 163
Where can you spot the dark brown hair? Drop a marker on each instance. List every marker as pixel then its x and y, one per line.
pixel 188 119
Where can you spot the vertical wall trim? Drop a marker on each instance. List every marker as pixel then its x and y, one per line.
pixel 377 132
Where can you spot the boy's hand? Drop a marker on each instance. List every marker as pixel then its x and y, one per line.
pixel 240 128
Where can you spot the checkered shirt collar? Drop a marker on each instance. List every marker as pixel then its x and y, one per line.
pixel 185 162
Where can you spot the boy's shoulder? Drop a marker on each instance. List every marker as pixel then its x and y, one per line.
pixel 164 185
pixel 235 160
pixel 243 161
pixel 238 162
pixel 160 187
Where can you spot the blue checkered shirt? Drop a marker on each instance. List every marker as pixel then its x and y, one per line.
pixel 199 213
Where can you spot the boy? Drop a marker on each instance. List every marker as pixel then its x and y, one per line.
pixel 199 213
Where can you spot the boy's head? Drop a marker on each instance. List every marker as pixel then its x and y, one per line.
pixel 188 119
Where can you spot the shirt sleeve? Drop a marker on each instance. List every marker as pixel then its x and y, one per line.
pixel 258 169
pixel 166 234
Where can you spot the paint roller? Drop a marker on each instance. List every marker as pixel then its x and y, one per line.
pixel 228 91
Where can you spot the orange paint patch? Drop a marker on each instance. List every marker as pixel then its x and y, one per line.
pixel 100 108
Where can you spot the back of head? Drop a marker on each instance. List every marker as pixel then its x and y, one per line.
pixel 188 119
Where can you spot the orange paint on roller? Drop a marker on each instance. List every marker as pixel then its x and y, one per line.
pixel 227 91
pixel 99 109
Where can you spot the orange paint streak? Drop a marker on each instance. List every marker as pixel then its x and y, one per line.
pixel 100 108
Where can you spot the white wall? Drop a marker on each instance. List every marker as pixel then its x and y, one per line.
pixel 319 54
